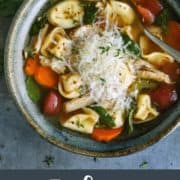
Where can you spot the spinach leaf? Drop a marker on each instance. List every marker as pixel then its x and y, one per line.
pixel 105 118
pixel 130 127
pixel 162 20
pixel 9 7
pixel 33 89
pixel 38 24
pixel 90 12
pixel 130 45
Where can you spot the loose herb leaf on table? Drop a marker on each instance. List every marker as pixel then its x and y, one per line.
pixel 143 164
pixel 49 160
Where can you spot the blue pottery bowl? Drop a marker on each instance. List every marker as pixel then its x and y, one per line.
pixel 143 136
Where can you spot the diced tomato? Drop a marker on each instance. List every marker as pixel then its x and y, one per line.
pixel 52 103
pixel 147 17
pixel 173 35
pixel 173 70
pixel 153 5
pixel 164 96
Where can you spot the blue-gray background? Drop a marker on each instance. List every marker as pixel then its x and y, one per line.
pixel 22 148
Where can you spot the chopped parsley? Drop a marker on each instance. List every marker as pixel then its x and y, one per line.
pixel 104 49
pixel 130 45
pixel 79 124
pixel 103 81
pixel 118 52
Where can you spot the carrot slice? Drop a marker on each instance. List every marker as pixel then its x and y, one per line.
pixel 147 17
pixel 31 66
pixel 173 36
pixel 106 135
pixel 46 77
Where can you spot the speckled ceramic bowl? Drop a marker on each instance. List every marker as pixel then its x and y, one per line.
pixel 49 129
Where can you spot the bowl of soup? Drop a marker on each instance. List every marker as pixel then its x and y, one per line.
pixel 89 80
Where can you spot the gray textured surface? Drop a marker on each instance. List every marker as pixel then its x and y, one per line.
pixel 22 148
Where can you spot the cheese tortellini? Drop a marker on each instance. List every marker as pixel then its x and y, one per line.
pixel 56 44
pixel 66 14
pixel 145 111
pixel 117 12
pixel 69 85
pixel 156 57
pixel 84 121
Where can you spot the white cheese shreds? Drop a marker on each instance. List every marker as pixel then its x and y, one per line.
pixel 105 69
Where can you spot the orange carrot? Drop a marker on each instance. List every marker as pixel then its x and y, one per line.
pixel 106 135
pixel 31 66
pixel 46 77
pixel 173 36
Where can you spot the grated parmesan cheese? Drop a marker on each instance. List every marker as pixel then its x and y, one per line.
pixel 105 69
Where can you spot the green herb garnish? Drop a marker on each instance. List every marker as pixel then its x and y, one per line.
pixel 143 164
pixel 118 52
pixel 162 20
pixel 105 118
pixel 130 45
pixel 104 49
pixel 49 160
pixel 90 12
pixel 33 89
pixel 79 124
pixel 103 81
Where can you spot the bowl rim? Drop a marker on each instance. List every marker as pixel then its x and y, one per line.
pixel 39 130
